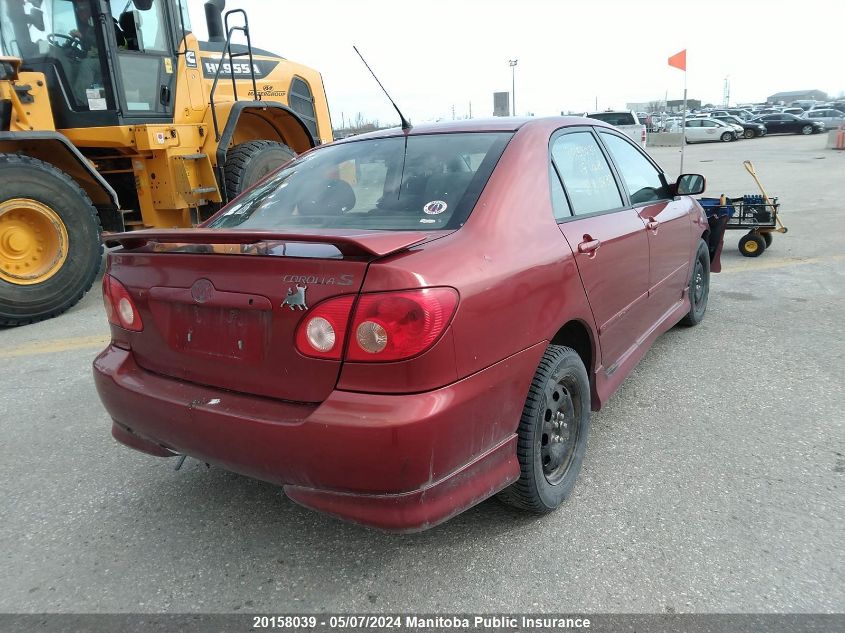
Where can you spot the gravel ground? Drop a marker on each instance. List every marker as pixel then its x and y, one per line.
pixel 713 479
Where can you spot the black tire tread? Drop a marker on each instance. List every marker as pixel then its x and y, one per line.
pixel 752 237
pixel 22 160
pixel 238 158
pixel 519 494
pixel 689 318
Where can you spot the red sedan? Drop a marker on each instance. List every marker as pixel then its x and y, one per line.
pixel 400 325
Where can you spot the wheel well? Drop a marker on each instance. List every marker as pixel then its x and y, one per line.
pixel 55 149
pixel 249 121
pixel 576 335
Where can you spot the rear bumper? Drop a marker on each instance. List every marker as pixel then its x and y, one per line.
pixel 396 462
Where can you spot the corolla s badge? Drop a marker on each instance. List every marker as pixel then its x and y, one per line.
pixel 295 299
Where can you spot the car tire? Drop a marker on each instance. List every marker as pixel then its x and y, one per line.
pixel 767 238
pixel 726 137
pixel 807 129
pixel 699 286
pixel 247 163
pixel 748 133
pixel 552 433
pixel 752 245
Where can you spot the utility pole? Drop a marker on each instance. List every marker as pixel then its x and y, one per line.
pixel 726 94
pixel 453 111
pixel 470 109
pixel 512 63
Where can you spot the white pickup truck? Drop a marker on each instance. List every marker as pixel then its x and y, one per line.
pixel 626 121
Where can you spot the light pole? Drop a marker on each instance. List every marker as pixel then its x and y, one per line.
pixel 512 63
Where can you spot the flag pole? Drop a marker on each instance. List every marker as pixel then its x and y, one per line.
pixel 679 61
pixel 684 123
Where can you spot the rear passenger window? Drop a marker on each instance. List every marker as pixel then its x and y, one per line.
pixel 559 201
pixel 643 182
pixel 585 173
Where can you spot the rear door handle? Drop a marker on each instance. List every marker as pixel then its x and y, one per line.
pixel 589 246
pixel 652 224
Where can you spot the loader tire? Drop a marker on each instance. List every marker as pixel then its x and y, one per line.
pixel 249 162
pixel 50 244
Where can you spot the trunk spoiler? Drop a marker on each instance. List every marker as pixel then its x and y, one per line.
pixel 375 243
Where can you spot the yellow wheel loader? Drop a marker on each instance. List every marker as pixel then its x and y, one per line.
pixel 113 116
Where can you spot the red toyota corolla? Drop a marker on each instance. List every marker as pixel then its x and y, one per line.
pixel 400 325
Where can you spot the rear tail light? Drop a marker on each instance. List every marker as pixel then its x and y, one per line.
pixel 386 326
pixel 391 326
pixel 322 333
pixel 120 309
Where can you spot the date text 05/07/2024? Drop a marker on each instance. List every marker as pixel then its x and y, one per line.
pixel 414 621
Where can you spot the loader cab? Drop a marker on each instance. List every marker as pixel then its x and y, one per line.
pixel 106 62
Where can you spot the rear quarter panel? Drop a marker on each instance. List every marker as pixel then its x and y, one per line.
pixel 515 272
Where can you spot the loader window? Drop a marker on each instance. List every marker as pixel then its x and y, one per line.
pixel 64 34
pixel 143 30
pixel 144 54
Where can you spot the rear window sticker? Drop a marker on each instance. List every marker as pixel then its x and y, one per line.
pixel 435 207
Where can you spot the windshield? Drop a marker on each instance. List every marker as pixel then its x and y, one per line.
pixel 414 182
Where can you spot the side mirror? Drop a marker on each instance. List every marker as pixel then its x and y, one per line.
pixel 36 18
pixel 690 184
pixel 143 5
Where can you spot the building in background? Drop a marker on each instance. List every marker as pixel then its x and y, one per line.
pixel 797 95
pixel 501 104
pixel 678 104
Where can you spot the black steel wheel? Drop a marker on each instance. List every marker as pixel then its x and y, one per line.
pixel 552 434
pixel 699 286
pixel 749 133
pixel 752 245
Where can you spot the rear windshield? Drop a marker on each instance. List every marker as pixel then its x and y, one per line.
pixel 425 181
pixel 614 118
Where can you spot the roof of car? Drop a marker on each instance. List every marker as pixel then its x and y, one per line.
pixel 493 124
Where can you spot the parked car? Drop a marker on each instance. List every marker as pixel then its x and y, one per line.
pixel 646 119
pixel 805 104
pixel 738 112
pixel 742 113
pixel 749 129
pixel 707 129
pixel 831 118
pixel 399 325
pixel 626 121
pixel 795 111
pixel 788 124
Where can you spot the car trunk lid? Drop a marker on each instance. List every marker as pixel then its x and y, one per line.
pixel 221 307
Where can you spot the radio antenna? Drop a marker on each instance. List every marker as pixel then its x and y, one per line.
pixel 406 125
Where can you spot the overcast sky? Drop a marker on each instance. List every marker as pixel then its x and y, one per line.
pixel 432 55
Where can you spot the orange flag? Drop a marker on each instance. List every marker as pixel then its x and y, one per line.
pixel 679 60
